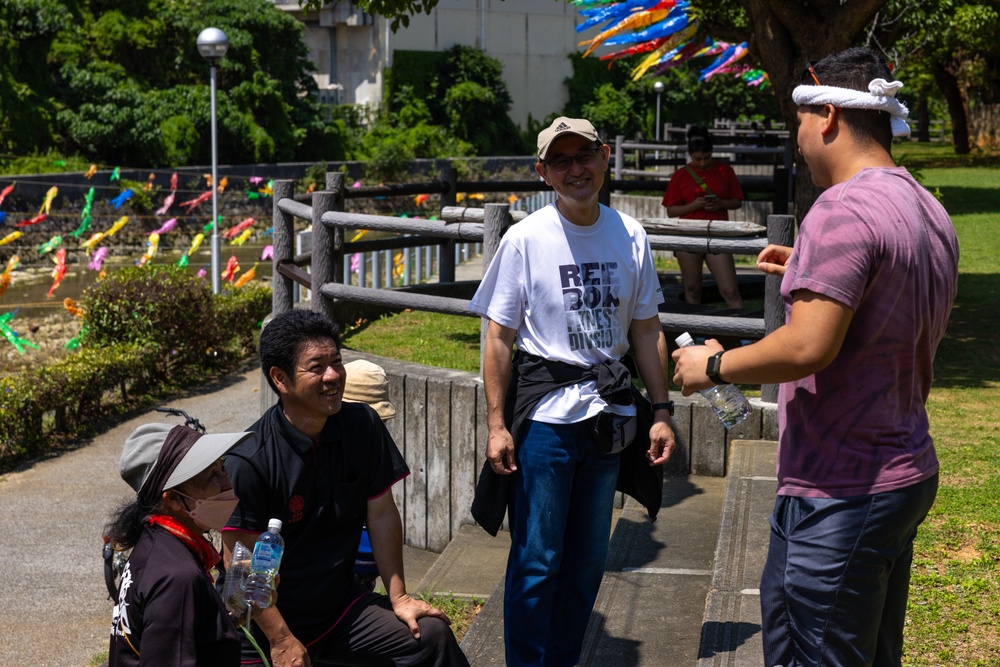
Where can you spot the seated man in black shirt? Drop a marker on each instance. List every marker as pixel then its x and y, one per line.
pixel 325 468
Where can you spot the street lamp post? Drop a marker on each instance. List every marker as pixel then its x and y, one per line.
pixel 658 87
pixel 212 45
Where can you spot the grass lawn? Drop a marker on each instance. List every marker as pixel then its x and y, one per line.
pixel 955 591
pixel 954 612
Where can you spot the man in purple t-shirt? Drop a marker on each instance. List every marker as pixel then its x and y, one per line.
pixel 868 289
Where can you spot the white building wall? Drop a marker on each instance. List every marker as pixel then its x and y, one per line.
pixel 345 45
pixel 531 38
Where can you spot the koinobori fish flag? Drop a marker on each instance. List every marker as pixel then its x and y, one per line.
pixel 664 33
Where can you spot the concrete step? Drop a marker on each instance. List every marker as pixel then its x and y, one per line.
pixel 470 565
pixel 730 634
pixel 652 600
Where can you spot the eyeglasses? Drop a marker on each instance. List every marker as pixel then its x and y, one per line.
pixel 812 72
pixel 564 162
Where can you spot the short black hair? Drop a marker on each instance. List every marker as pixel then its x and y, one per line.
pixel 284 335
pixel 855 68
pixel 699 140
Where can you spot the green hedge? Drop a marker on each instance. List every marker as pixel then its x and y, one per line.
pixel 42 406
pixel 146 331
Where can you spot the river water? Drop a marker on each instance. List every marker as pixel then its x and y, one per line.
pixel 28 288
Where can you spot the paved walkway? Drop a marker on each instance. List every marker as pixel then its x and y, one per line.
pixel 678 592
pixel 55 608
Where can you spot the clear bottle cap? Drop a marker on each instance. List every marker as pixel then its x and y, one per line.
pixel 684 340
pixel 275 525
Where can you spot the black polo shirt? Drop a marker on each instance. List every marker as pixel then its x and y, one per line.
pixel 320 491
pixel 168 610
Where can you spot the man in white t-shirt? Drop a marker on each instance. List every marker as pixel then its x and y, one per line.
pixel 569 284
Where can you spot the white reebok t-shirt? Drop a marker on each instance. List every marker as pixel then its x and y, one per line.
pixel 571 293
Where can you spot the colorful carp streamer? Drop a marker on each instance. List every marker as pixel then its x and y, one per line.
pixel 191 204
pixel 232 268
pixel 167 203
pixel 246 277
pixel 85 219
pixel 32 221
pixel 6 191
pixel 663 32
pixel 89 245
pixel 119 223
pixel 5 278
pixel 10 238
pixel 96 262
pixel 72 308
pixel 238 229
pixel 59 272
pixel 243 238
pixel 11 335
pixel 50 245
pixel 165 227
pixel 122 198
pixel 47 202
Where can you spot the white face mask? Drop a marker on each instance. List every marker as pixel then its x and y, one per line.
pixel 213 512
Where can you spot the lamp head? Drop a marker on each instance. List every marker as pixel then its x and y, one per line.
pixel 212 44
pixel 658 87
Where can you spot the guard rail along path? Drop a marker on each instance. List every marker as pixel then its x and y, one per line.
pixel 441 422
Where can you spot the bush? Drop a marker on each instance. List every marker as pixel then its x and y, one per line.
pixel 42 405
pixel 146 330
pixel 239 315
pixel 154 306
pixel 174 314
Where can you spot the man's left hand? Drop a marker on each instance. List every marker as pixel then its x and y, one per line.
pixel 661 443
pixel 690 364
pixel 409 609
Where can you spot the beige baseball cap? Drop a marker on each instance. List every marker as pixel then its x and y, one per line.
pixel 563 125
pixel 366 383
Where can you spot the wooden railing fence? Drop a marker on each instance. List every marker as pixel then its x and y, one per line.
pixel 443 422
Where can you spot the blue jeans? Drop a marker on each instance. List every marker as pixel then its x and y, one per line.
pixel 560 523
pixel 834 588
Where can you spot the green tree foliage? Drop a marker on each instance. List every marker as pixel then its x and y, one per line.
pixel 944 46
pixel 27 28
pixel 461 89
pixel 397 11
pixel 122 82
pixel 389 140
pixel 618 105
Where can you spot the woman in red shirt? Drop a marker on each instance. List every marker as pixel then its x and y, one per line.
pixel 704 190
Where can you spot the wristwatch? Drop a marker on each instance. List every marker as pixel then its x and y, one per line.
pixel 668 406
pixel 713 366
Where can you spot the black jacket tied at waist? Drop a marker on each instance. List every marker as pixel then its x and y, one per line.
pixel 533 378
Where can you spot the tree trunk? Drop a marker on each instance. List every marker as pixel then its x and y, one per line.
pixel 787 34
pixel 923 118
pixel 958 108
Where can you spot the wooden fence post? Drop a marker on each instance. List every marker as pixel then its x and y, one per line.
pixel 779 198
pixel 335 185
pixel 284 250
pixel 321 268
pixel 496 220
pixel 619 156
pixel 604 196
pixel 780 231
pixel 446 263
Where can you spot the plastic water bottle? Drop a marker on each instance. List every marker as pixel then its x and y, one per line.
pixel 729 403
pixel 264 565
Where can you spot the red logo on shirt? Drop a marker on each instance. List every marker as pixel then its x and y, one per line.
pixel 295 506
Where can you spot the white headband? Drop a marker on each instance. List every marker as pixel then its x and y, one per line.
pixel 882 97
